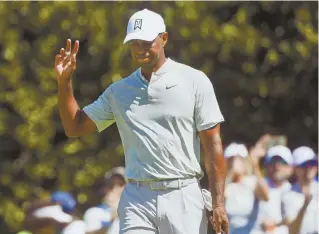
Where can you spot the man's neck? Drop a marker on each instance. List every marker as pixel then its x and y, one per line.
pixel 148 70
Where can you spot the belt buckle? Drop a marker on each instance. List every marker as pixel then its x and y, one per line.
pixel 158 185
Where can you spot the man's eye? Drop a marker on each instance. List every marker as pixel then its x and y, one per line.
pixel 143 44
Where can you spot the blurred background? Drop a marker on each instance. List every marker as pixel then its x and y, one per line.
pixel 262 58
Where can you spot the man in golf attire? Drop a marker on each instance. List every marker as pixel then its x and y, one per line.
pixel 163 111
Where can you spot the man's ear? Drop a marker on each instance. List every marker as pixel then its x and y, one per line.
pixel 164 39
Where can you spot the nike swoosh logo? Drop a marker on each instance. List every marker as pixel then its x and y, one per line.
pixel 170 86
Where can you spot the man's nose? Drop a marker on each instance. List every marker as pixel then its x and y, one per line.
pixel 142 44
pixel 277 165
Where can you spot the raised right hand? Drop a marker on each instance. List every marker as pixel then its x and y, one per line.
pixel 259 150
pixel 65 62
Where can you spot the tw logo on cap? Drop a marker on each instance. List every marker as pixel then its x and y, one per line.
pixel 138 24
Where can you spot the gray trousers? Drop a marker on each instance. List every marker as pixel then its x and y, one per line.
pixel 172 211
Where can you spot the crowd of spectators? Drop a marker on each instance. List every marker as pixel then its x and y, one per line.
pixel 279 197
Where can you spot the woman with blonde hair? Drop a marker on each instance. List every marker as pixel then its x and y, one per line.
pixel 243 191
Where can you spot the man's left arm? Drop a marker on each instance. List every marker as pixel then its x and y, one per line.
pixel 207 117
pixel 215 166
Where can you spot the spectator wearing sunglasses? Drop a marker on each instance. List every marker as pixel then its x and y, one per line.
pixel 301 202
pixel 278 163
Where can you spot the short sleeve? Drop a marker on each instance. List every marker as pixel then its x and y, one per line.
pixel 100 111
pixel 95 217
pixel 207 111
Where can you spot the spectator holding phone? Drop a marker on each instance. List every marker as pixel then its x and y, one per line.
pixel 301 202
pixel 243 192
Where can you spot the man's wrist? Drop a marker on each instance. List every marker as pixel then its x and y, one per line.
pixel 215 206
pixel 64 83
pixel 218 203
pixel 217 193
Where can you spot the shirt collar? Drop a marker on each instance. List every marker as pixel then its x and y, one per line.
pixel 163 69
pixel 271 184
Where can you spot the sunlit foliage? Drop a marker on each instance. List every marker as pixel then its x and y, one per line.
pixel 261 58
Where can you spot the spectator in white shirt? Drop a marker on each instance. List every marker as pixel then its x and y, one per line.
pixel 301 202
pixel 278 170
pixel 243 191
pixel 103 219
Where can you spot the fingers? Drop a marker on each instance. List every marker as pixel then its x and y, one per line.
pixel 216 224
pixel 225 227
pixel 220 224
pixel 211 220
pixel 76 47
pixel 62 52
pixel 57 58
pixel 68 46
pixel 218 227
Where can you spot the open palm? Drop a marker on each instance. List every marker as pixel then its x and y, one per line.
pixel 65 61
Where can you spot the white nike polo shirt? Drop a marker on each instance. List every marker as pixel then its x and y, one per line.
pixel 159 121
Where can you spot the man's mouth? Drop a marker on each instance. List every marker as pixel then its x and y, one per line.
pixel 142 56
